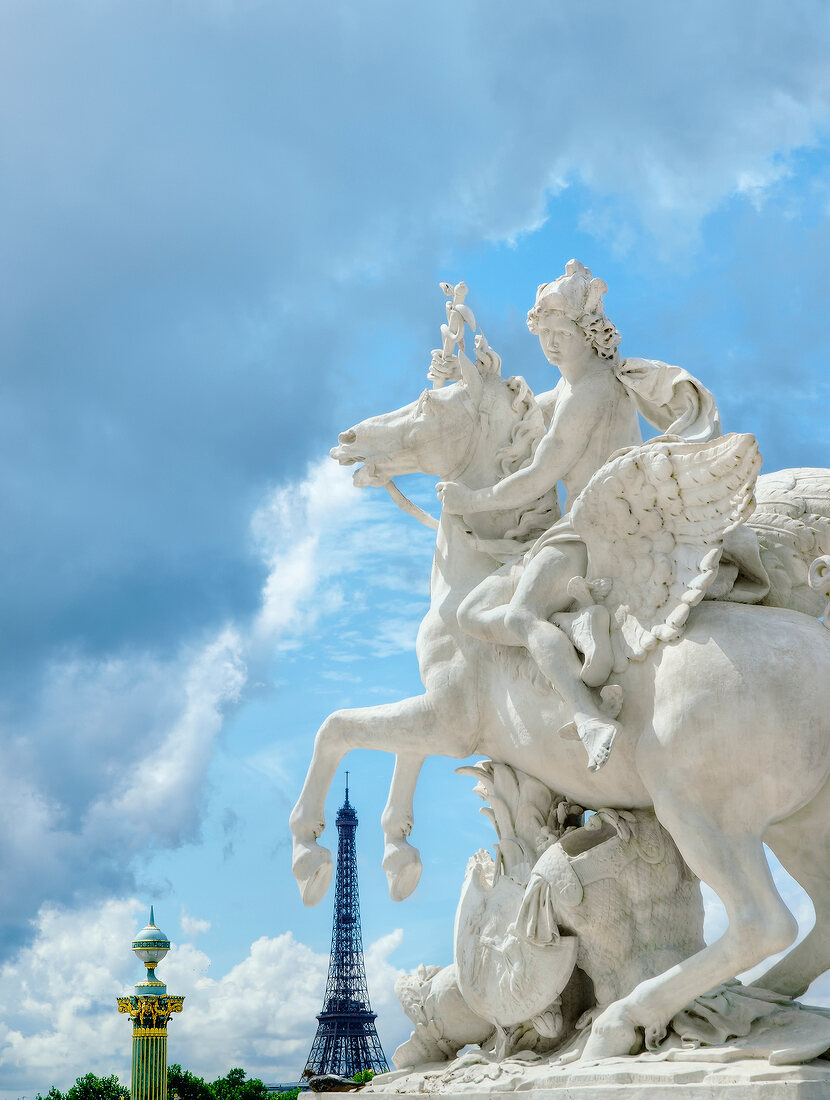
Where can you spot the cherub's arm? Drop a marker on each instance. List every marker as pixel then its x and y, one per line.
pixel 575 415
pixel 547 401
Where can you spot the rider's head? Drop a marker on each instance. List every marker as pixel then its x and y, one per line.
pixel 574 302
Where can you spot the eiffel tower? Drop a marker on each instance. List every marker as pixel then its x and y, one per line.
pixel 346 1042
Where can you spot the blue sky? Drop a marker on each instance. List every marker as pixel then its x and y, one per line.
pixel 223 224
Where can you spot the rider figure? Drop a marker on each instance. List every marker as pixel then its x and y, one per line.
pixel 591 414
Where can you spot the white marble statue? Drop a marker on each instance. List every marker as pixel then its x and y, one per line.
pixel 655 654
pixel 611 901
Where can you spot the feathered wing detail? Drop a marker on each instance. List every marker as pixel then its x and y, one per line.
pixel 792 523
pixel 653 521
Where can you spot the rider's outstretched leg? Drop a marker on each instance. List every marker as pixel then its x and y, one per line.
pixel 481 613
pixel 542 592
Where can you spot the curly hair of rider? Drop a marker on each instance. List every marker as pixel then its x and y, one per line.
pixel 601 334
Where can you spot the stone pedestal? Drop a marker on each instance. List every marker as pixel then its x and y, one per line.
pixel 624 1079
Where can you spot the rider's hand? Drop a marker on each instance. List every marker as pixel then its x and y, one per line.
pixel 454 497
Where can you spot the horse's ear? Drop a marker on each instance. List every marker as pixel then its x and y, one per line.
pixel 470 375
pixel 488 361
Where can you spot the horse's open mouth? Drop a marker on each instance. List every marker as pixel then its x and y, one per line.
pixel 364 475
pixel 367 475
pixel 345 456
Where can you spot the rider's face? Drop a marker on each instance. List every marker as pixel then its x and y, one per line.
pixel 561 338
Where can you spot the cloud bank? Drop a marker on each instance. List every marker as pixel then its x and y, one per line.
pixel 59 1017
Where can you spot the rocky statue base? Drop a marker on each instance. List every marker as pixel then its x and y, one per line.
pixel 776 1059
pixel 618 1079
pixel 646 675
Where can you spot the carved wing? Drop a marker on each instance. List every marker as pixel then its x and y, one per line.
pixel 653 520
pixel 792 523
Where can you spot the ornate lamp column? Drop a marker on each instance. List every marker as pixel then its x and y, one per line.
pixel 149 1010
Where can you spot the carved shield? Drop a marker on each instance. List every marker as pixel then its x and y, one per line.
pixel 502 976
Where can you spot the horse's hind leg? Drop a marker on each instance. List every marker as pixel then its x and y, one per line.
pixel 401 860
pixel 802 844
pixel 735 866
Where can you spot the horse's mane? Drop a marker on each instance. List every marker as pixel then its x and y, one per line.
pixel 527 432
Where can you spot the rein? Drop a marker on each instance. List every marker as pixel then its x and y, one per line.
pixel 408 506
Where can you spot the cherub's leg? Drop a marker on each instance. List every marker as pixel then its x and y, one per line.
pixel 482 612
pixel 541 592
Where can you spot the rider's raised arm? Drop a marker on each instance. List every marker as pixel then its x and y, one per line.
pixel 575 416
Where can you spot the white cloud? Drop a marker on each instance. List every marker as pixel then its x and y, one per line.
pixel 288 529
pixel 57 1001
pixel 57 998
pixel 755 185
pixel 112 764
pixel 396 634
pixel 161 793
pixel 160 796
pixel 321 538
pixel 193 926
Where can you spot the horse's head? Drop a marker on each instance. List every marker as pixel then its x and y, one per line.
pixel 475 430
pixel 427 436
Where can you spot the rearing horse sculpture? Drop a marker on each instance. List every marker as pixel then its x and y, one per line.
pixel 725 728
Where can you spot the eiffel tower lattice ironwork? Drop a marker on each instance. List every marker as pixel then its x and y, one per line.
pixel 347 1041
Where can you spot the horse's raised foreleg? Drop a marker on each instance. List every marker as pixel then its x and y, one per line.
pixel 412 729
pixel 734 865
pixel 401 861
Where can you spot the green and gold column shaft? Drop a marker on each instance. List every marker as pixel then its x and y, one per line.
pixel 149 1010
pixel 149 1077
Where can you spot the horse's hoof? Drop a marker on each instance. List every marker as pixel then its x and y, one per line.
pixel 402 864
pixel 312 867
pixel 612 1036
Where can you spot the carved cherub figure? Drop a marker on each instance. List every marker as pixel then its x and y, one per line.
pixel 591 413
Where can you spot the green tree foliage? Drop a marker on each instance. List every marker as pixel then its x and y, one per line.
pixel 233 1086
pixel 90 1087
pixel 186 1084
